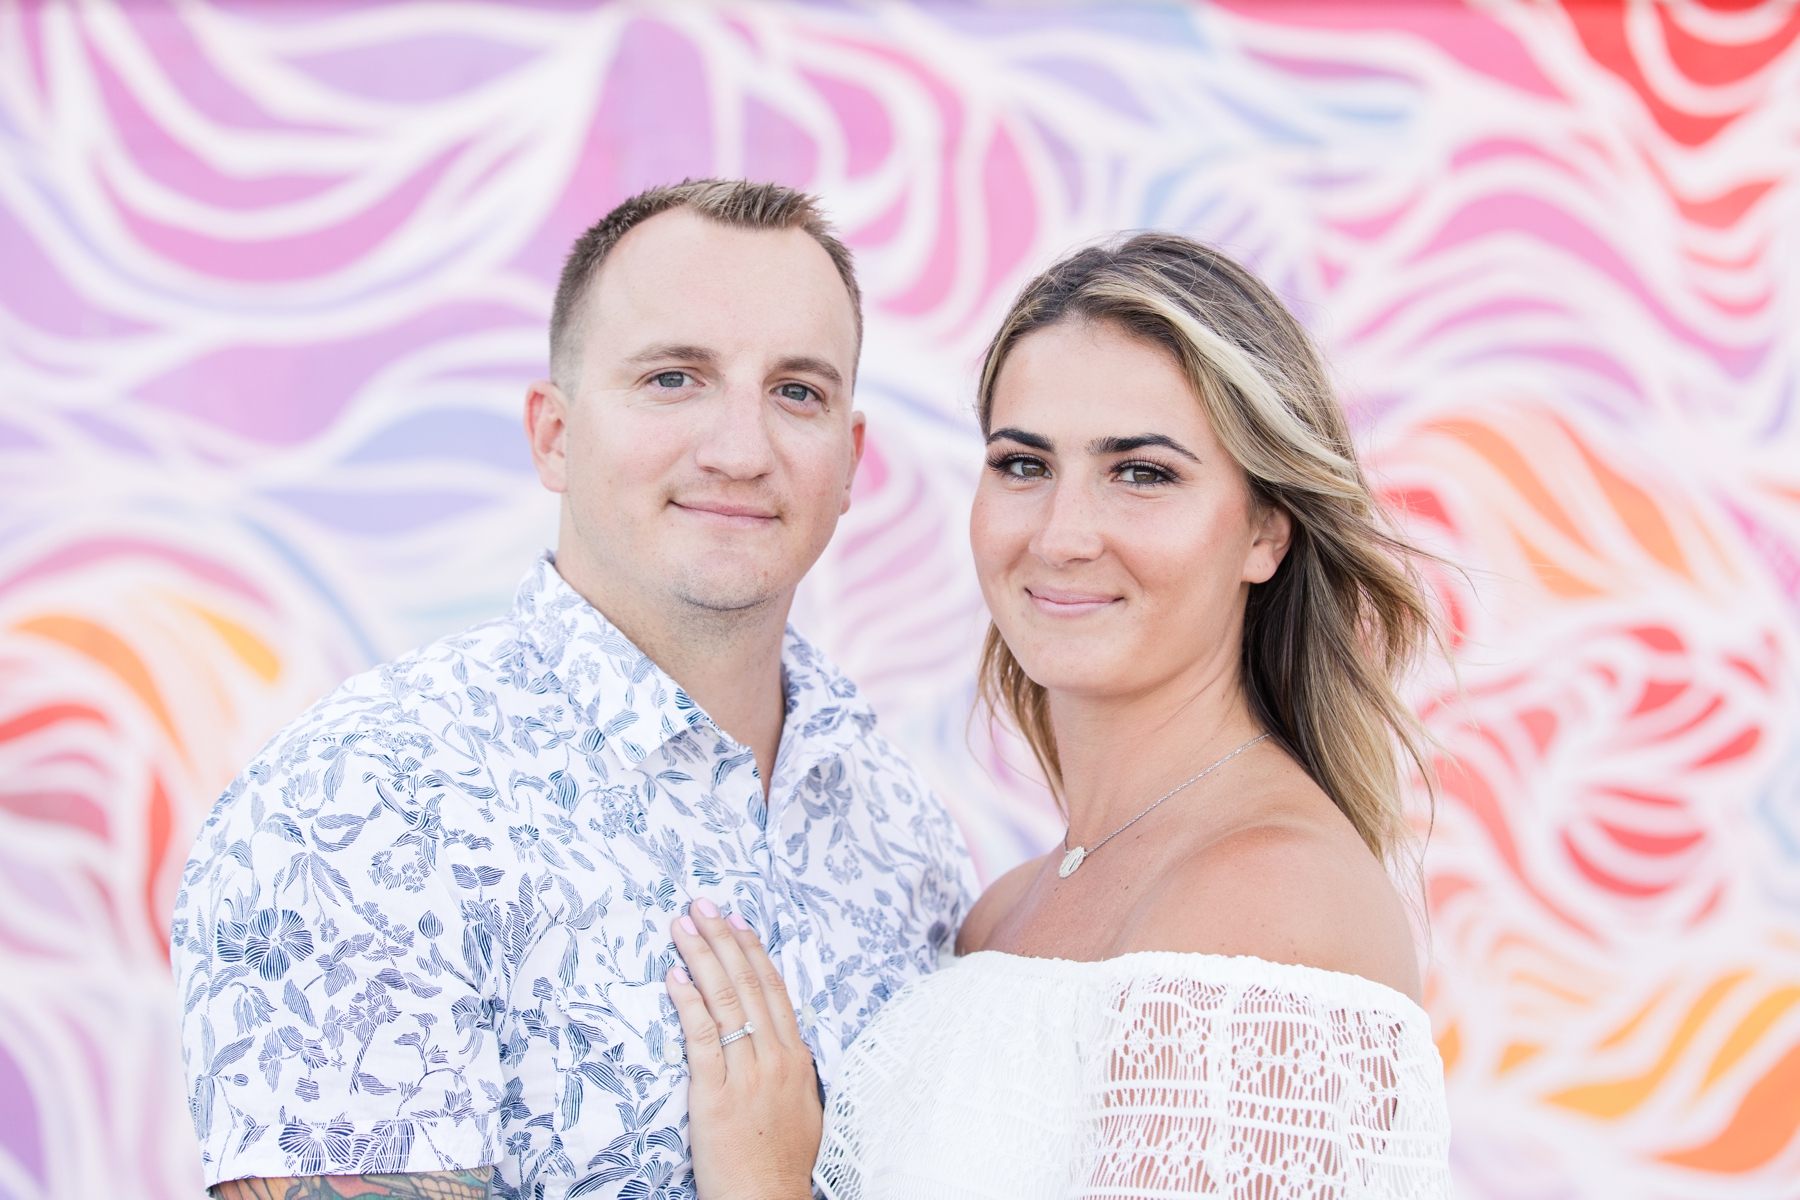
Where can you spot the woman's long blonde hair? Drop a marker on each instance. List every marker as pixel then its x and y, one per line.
pixel 1328 637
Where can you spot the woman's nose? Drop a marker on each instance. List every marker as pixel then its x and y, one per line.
pixel 1071 528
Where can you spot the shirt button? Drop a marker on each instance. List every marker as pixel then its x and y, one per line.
pixel 808 1017
pixel 672 1052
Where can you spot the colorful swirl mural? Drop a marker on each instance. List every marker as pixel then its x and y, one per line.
pixel 273 274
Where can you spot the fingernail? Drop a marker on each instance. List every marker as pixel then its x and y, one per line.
pixel 706 908
pixel 737 922
pixel 681 976
pixel 687 923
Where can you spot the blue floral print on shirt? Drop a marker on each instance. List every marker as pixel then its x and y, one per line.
pixel 427 928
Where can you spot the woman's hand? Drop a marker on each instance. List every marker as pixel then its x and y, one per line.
pixel 753 1106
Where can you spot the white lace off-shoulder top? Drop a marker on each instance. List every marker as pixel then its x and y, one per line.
pixel 1148 1075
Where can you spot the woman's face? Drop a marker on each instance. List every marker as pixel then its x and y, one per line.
pixel 1114 537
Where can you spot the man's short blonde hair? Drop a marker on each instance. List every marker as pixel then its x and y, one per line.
pixel 735 202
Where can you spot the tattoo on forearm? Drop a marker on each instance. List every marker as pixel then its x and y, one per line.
pixel 432 1185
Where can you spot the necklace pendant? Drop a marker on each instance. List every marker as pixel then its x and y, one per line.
pixel 1070 861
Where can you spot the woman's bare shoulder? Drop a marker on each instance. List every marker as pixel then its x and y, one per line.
pixel 1289 891
pixel 998 900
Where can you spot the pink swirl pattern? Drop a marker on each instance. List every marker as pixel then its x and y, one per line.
pixel 272 275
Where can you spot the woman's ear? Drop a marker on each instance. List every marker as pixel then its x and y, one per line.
pixel 1272 531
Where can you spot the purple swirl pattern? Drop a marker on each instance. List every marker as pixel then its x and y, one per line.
pixel 273 274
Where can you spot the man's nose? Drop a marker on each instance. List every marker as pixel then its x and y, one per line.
pixel 735 440
pixel 1070 531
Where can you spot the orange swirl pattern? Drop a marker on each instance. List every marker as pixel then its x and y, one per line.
pixel 273 273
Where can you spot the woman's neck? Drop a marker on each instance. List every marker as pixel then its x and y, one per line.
pixel 1120 753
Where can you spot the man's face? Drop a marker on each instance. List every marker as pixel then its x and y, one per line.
pixel 709 446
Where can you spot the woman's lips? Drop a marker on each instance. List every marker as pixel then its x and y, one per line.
pixel 1056 603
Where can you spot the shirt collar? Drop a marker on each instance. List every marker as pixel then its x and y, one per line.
pixel 826 716
pixel 636 706
pixel 612 684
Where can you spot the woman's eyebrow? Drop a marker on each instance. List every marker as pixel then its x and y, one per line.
pixel 1124 445
pixel 1036 441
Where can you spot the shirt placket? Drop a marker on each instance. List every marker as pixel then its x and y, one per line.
pixel 800 953
pixel 778 910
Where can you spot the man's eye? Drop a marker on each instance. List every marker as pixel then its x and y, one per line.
pixel 670 379
pixel 799 393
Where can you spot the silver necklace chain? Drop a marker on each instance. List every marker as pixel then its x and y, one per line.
pixel 1079 854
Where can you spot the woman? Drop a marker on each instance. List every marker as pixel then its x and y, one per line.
pixel 1198 620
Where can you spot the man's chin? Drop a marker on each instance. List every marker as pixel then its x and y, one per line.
pixel 726 592
pixel 727 604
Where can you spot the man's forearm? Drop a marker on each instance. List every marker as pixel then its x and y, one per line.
pixel 430 1185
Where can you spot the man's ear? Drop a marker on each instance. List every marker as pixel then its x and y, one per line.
pixel 859 428
pixel 1272 529
pixel 547 430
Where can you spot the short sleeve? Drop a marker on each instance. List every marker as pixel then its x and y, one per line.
pixel 1214 1089
pixel 339 998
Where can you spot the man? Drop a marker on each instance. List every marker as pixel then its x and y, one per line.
pixel 422 940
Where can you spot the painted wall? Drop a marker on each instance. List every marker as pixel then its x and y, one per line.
pixel 273 275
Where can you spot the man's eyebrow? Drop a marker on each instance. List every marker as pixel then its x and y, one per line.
pixel 805 365
pixel 664 351
pixel 1124 445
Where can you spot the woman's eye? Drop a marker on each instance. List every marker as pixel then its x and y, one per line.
pixel 1141 474
pixel 670 379
pixel 1025 468
pixel 799 393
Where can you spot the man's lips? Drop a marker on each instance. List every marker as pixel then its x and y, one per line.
pixel 743 516
pixel 1056 602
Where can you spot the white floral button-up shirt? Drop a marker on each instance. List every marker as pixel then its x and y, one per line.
pixel 427 928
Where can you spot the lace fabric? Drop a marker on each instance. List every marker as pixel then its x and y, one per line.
pixel 1145 1076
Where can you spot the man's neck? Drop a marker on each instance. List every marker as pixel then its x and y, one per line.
pixel 728 663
